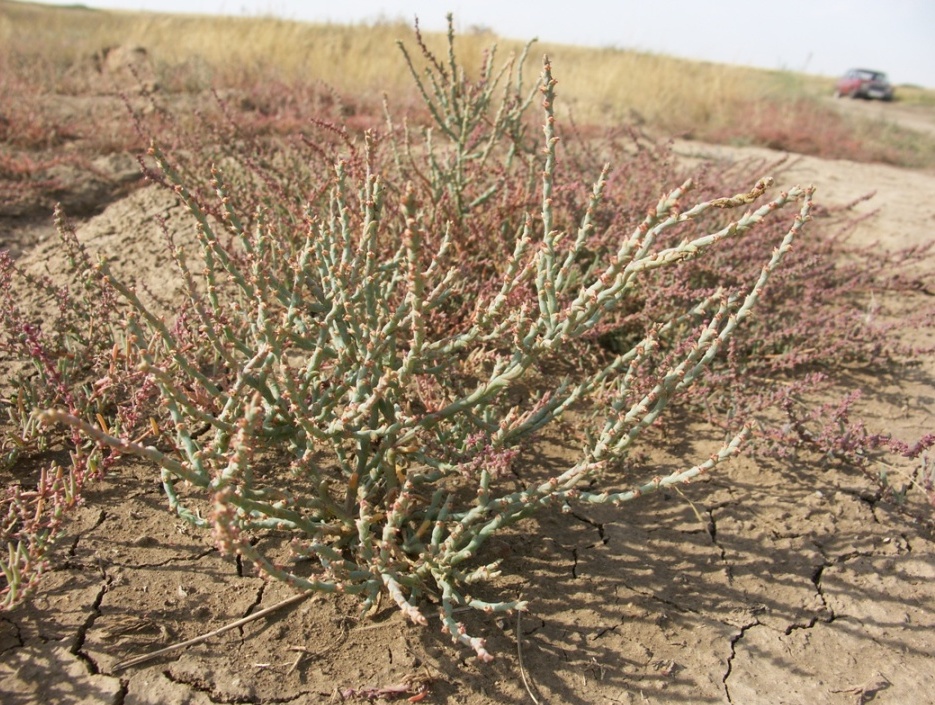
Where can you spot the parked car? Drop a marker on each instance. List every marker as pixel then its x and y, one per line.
pixel 864 83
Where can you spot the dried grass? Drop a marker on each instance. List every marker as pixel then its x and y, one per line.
pixel 699 100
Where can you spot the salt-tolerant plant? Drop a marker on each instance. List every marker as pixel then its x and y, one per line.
pixel 65 335
pixel 309 387
pixel 475 125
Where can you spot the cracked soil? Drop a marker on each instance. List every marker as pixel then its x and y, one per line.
pixel 769 582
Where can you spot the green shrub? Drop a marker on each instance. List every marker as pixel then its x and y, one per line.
pixel 362 371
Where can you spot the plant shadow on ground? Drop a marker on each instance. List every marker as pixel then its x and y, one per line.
pixel 654 597
pixel 793 570
pixel 659 599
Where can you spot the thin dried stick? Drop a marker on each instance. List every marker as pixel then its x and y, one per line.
pixel 706 525
pixel 519 655
pixel 204 637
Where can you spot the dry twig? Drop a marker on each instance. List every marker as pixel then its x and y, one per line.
pixel 519 656
pixel 295 599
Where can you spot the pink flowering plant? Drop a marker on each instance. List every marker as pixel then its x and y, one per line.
pixel 374 329
pixel 354 373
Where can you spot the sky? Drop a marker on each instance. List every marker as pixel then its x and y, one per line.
pixel 824 37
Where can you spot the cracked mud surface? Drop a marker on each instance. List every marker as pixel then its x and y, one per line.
pixel 791 592
pixel 768 583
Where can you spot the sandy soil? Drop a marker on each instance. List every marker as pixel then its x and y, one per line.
pixel 767 583
pixel 914 117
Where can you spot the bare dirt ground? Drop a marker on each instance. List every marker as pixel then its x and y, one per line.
pixel 920 118
pixel 770 582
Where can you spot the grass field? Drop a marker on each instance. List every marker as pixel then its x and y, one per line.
pixel 600 87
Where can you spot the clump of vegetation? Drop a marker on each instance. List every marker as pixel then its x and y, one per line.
pixel 380 325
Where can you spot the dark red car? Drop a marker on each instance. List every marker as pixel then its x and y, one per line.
pixel 864 83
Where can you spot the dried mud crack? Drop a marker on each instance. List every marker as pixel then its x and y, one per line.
pixel 599 526
pixel 733 652
pixel 870 498
pixel 172 560
pixel 82 632
pixel 826 615
pixel 257 601
pixel 711 526
pixel 72 551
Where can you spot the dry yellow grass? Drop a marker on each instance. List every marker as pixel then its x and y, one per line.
pixel 598 86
